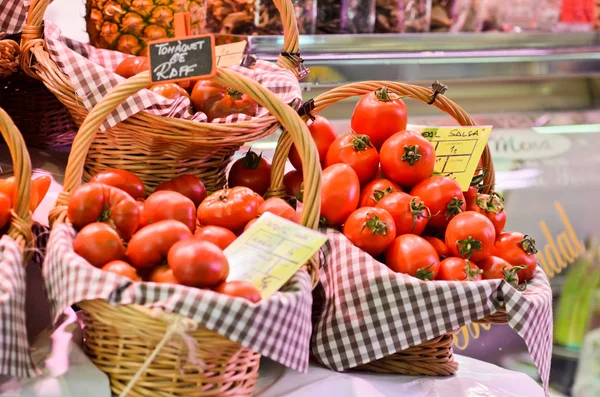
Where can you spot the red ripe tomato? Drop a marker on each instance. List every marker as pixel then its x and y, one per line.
pixel 149 247
pixel 217 235
pixel 340 191
pixel 518 250
pixel 323 134
pixel 199 264
pixel 249 224
pixel 131 66
pixel 165 204
pixel 188 185
pixel 379 115
pixel 169 90
pixel 443 197
pixel 217 101
pixel 39 188
pixel 407 158
pixel 471 197
pixel 280 208
pixel 412 255
pixel 95 202
pixel 230 208
pixel 470 235
pixel 239 289
pixel 163 275
pixel 497 268
pixel 459 269
pixel 293 182
pixel 5 208
pixel 98 244
pixel 492 206
pixel 440 247
pixel 121 179
pixel 252 171
pixel 370 229
pixel 375 191
pixel 409 213
pixel 358 153
pixel 122 268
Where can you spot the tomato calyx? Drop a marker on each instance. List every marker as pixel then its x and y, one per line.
pixel 105 218
pixel 424 273
pixel 468 246
pixel 251 160
pixel 528 245
pixel 411 154
pixel 379 194
pixel 376 225
pixel 361 142
pixel 384 94
pixel 471 272
pixel 478 180
pixel 322 221
pixel 510 276
pixel 417 208
pixel 454 207
pixel 233 94
pixel 494 203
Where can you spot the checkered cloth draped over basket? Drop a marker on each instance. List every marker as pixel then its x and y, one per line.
pixel 90 70
pixel 13 15
pixel 368 312
pixel 278 328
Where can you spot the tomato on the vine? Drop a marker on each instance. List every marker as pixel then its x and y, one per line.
pixel 149 247
pixel 121 179
pixel 323 134
pixel 518 250
pixel 197 263
pixel 252 171
pixel 230 208
pixel 497 268
pixel 492 206
pixel 379 115
pixel 217 235
pixel 356 151
pixel 370 229
pixel 239 289
pixel 166 204
pixel 293 182
pixel 188 185
pixel 413 255
pixel 409 213
pixel 217 101
pixel 444 198
pixel 95 202
pixel 122 268
pixel 470 235
pixel 280 208
pixel 440 247
pixel 98 244
pixel 407 158
pixel 340 191
pixel 459 269
pixel 375 191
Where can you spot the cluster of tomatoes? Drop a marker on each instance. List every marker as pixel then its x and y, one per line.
pixel 212 99
pixel 378 185
pixel 39 188
pixel 176 235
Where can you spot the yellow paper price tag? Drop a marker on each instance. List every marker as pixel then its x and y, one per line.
pixel 270 252
pixel 230 54
pixel 457 150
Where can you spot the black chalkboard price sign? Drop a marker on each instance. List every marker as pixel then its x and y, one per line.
pixel 181 59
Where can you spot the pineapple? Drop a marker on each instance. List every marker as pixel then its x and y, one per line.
pixel 127 25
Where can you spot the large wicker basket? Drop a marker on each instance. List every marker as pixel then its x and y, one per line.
pixel 433 357
pixel 204 149
pixel 128 342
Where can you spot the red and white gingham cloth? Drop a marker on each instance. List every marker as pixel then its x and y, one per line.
pixel 278 328
pixel 364 311
pixel 13 15
pixel 91 71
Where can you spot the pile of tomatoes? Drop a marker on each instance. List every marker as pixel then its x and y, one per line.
pixel 176 235
pixel 39 188
pixel 378 186
pixel 212 99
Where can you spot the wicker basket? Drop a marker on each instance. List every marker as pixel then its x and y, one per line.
pixel 123 340
pixel 433 357
pixel 204 149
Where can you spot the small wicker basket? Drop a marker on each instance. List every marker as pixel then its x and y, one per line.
pixel 204 149
pixel 133 345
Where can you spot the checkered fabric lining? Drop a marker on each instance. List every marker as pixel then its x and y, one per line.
pixel 90 70
pixel 278 328
pixel 13 15
pixel 366 312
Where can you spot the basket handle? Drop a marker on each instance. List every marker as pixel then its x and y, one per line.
pixel 20 227
pixel 33 32
pixel 226 77
pixel 404 90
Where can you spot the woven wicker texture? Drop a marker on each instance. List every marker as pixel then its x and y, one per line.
pixel 9 53
pixel 21 221
pixel 158 148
